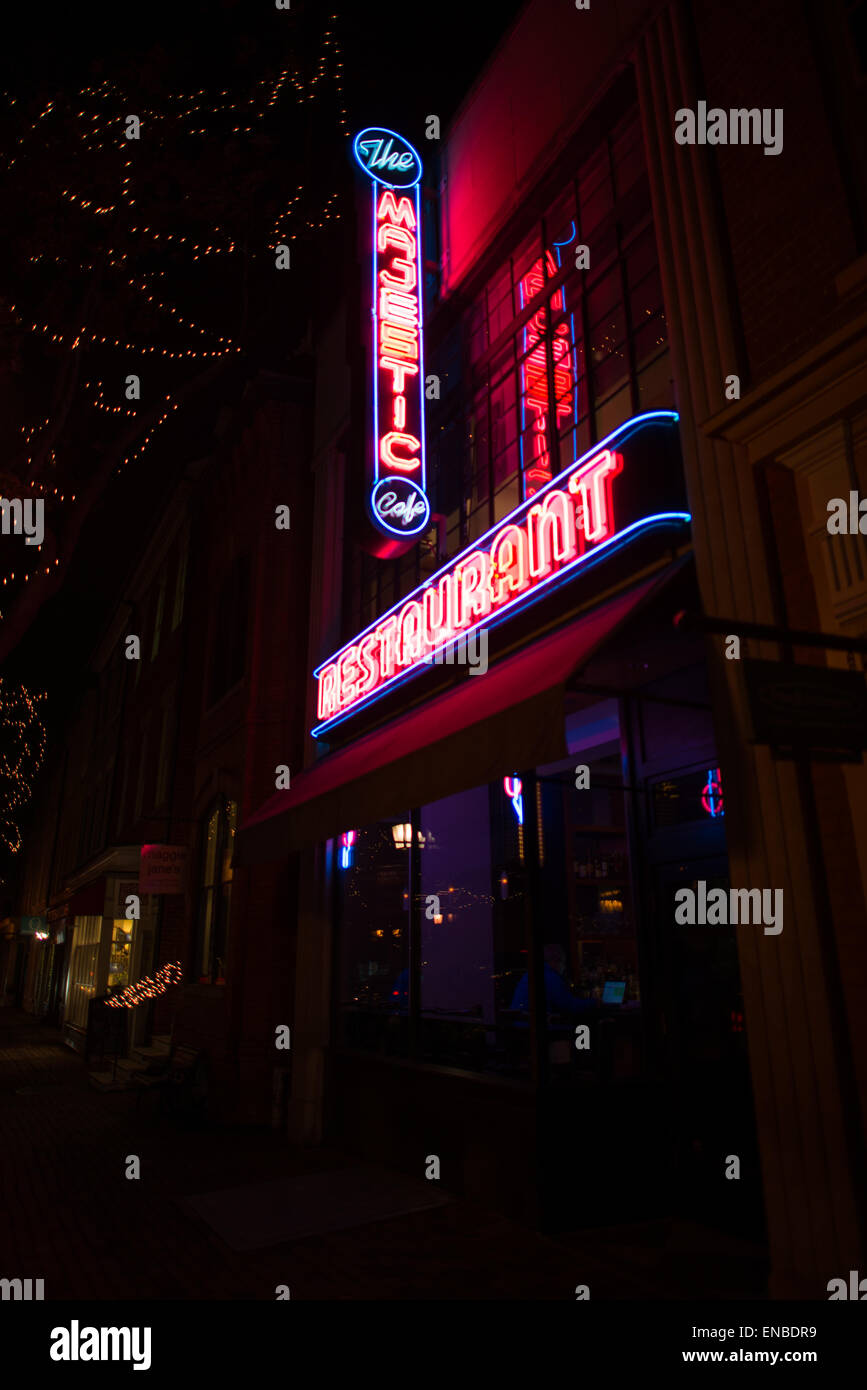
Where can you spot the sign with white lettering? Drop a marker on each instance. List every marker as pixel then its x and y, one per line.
pixel 594 507
pixel 397 499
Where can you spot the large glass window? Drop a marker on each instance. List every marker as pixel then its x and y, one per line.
pixel 375 866
pixel 120 958
pixel 83 968
pixel 561 346
pixel 435 914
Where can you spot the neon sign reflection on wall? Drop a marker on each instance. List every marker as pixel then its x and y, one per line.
pixel 537 375
pixel 712 794
pixel 397 501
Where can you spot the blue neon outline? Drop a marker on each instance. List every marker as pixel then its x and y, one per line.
pixel 416 530
pixel 517 800
pixel 383 130
pixel 628 428
pixel 584 562
pixel 377 521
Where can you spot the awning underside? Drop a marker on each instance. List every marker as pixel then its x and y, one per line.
pixel 505 721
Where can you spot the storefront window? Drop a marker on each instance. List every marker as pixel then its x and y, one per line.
pixel 82 969
pixel 216 893
pixel 463 1018
pixel 120 959
pixel 559 348
pixel 375 866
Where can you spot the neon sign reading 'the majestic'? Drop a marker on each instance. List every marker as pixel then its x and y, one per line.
pixel 397 502
pixel 563 526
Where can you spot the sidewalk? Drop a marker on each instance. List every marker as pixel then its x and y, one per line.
pixel 75 1220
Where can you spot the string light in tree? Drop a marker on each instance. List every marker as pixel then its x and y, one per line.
pixel 22 750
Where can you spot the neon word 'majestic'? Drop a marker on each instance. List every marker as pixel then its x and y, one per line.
pixel 398 501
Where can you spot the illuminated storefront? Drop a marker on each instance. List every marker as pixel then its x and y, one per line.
pixel 492 853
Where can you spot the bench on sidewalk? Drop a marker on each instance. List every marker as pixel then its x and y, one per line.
pixel 180 1080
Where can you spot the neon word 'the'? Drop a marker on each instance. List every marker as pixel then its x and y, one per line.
pixel 520 556
pixel 398 500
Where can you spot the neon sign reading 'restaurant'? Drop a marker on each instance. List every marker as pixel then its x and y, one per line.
pixel 567 523
pixel 398 500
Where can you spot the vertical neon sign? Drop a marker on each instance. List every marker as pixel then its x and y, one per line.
pixel 397 501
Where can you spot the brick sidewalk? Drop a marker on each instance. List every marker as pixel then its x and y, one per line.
pixel 75 1220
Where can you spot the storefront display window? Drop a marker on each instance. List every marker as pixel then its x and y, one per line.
pixel 472 932
pixel 82 971
pixel 120 958
pixel 435 914
pixel 374 889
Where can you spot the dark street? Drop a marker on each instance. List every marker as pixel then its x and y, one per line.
pixel 91 1233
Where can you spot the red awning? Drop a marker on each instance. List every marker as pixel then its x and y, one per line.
pixel 505 721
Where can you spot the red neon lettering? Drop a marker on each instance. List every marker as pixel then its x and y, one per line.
pixel 474 584
pixel 551 533
pixel 389 235
pixel 592 483
pixel 409 644
pixel 439 606
pixel 398 308
pixel 406 279
pixel 535 373
pixel 386 634
pixel 327 703
pixel 399 371
pixel 348 676
pixel 368 664
pixel 399 415
pixel 390 459
pixel 400 342
pixel 394 211
pixel 509 562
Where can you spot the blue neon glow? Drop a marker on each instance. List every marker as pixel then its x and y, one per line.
pixel 713 804
pixel 620 435
pixel 585 561
pixel 372 133
pixel 513 792
pixel 400 532
pixel 548 585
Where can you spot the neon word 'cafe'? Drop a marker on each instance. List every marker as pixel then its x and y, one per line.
pixel 486 858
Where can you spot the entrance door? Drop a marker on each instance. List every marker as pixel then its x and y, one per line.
pixel 703 1052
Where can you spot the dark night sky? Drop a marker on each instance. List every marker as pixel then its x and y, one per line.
pixel 401 63
pixel 410 59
